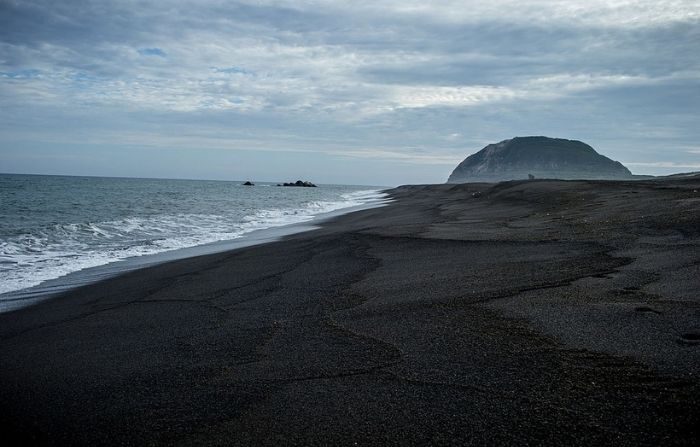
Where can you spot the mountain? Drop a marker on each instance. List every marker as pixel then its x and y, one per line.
pixel 541 157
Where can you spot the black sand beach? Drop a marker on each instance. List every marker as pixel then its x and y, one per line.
pixel 541 312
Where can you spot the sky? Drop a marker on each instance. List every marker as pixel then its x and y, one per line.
pixel 380 92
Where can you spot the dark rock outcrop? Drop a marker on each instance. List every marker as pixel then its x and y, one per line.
pixel 249 183
pixel 537 157
pixel 300 183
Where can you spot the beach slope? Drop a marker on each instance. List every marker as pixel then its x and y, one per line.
pixel 541 312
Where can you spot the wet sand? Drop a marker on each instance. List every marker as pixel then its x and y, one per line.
pixel 540 312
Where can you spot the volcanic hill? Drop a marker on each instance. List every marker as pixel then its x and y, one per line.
pixel 538 157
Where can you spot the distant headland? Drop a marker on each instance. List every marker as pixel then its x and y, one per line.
pixel 538 157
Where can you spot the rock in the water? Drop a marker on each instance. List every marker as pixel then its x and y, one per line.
pixel 537 157
pixel 249 184
pixel 300 183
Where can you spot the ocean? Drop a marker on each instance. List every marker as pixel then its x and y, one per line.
pixel 54 227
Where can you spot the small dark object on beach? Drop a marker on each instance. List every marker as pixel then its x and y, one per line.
pixel 306 184
pixel 646 309
pixel 690 338
pixel 476 195
pixel 249 184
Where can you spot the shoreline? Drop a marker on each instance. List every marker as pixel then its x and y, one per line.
pixel 542 312
pixel 47 289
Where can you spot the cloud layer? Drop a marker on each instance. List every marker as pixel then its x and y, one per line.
pixel 389 82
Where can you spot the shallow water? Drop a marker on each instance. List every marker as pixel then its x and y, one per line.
pixel 51 226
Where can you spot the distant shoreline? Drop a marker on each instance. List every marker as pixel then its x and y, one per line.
pixel 48 289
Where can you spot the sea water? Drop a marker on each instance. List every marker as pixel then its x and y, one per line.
pixel 52 226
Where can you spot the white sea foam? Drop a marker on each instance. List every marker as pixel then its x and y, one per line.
pixel 31 258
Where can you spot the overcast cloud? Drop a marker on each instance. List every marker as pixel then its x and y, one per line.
pixel 372 92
